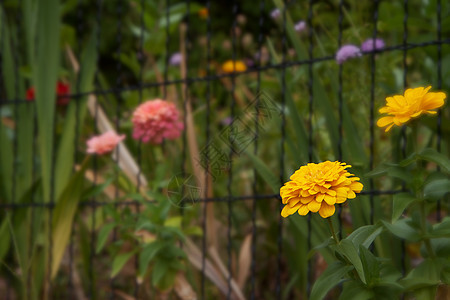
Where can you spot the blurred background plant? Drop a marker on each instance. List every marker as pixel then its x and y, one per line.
pixel 113 55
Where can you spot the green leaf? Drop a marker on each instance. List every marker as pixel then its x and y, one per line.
pixel 441 229
pixel 5 238
pixel 400 202
pixel 441 247
pixel 159 270
pixel 425 275
pixel 433 155
pixel 347 249
pixel 45 75
pixel 193 230
pixel 331 277
pixel 147 254
pixel 63 215
pixel 74 119
pixel 119 262
pixel 436 189
pixel 355 291
pixel 403 230
pixel 103 236
pixel 265 172
pixel 365 235
pixel 174 222
pixel 370 264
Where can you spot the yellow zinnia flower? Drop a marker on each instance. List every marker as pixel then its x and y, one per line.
pixel 413 103
pixel 238 66
pixel 317 188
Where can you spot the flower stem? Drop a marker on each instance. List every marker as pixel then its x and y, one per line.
pixel 330 223
pixel 424 230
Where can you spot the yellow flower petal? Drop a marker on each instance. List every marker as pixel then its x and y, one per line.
pixel 303 210
pixel 287 211
pixel 326 210
pixel 330 199
pixel 314 206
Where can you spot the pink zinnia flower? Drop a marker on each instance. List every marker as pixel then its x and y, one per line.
pixel 156 120
pixel 300 26
pixel 346 52
pixel 371 44
pixel 104 143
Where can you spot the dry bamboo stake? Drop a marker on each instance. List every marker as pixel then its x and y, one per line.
pixel 234 287
pixel 244 261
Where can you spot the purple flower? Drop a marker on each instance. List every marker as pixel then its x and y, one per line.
pixel 300 26
pixel 176 59
pixel 346 52
pixel 275 14
pixel 371 44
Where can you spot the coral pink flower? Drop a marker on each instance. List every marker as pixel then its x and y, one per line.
pixel 104 143
pixel 156 120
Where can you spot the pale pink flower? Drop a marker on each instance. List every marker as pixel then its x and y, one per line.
pixel 104 143
pixel 346 52
pixel 156 120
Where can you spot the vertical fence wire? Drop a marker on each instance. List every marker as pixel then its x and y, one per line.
pixel 340 103
pixel 255 151
pixel 98 19
pixel 2 50
pixel 167 44
pixel 310 131
pixel 17 104
pixel 141 60
pixel 17 96
pixel 372 106
pixel 78 34
pixel 403 130
pixel 439 86
pixel 186 100
pixel 118 84
pixel 230 154
pixel 207 143
pixel 282 151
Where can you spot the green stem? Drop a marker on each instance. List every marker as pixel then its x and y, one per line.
pixel 424 229
pixel 330 223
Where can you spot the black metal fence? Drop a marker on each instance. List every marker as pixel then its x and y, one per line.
pixel 216 106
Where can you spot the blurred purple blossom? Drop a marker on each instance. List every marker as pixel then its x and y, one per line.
pixel 300 26
pixel 227 121
pixel 370 44
pixel 346 52
pixel 176 59
pixel 275 14
pixel 249 62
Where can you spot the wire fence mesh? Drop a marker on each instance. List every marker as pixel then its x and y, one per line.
pixel 245 131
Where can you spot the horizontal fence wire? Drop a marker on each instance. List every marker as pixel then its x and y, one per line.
pixel 195 200
pixel 250 70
